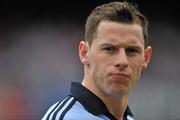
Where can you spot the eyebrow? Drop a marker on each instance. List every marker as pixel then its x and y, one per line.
pixel 114 44
pixel 128 46
pixel 108 44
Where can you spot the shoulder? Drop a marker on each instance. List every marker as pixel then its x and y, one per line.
pixel 59 109
pixel 68 109
pixel 77 112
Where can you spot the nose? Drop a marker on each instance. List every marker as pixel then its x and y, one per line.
pixel 121 60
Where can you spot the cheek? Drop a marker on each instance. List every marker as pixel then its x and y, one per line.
pixel 96 60
pixel 98 66
pixel 136 71
pixel 136 65
pixel 94 63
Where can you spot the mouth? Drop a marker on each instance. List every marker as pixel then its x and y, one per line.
pixel 119 76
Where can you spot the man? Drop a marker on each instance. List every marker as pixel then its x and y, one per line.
pixel 115 51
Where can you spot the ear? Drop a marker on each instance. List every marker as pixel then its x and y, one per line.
pixel 83 52
pixel 148 54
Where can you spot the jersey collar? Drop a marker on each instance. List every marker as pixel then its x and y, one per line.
pixel 91 102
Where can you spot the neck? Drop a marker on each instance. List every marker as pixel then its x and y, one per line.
pixel 116 106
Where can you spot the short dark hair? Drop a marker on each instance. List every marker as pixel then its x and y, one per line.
pixel 122 12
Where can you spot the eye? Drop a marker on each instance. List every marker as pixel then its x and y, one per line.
pixel 132 51
pixel 109 49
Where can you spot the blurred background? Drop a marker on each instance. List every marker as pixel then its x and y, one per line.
pixel 39 58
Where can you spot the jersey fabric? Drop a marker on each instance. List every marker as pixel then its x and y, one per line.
pixel 82 104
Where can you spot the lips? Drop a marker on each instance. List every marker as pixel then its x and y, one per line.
pixel 119 76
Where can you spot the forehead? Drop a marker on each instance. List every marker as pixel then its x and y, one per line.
pixel 119 32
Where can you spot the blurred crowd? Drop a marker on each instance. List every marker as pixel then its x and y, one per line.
pixel 39 60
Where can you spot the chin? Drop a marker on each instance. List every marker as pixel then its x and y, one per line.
pixel 119 91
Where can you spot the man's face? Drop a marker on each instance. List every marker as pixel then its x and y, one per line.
pixel 116 58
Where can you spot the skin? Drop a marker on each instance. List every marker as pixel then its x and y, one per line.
pixel 114 62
